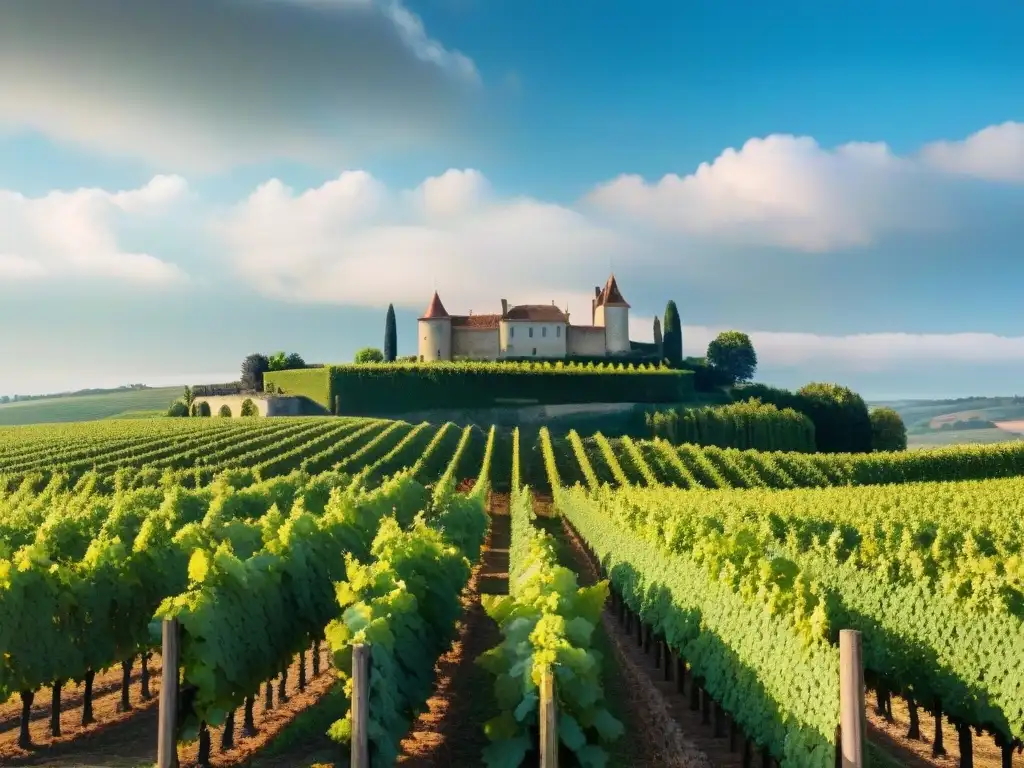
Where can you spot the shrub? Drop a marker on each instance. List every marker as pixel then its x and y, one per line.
pixel 888 433
pixel 249 408
pixel 225 411
pixel 204 409
pixel 177 409
pixel 369 355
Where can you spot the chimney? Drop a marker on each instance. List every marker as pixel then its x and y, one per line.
pixel 593 310
pixel 597 291
pixel 504 307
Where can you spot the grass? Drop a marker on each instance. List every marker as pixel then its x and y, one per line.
pixel 136 403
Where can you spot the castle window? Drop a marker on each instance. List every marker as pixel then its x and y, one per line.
pixel 535 350
pixel 544 331
pixel 531 333
pixel 511 331
pixel 558 331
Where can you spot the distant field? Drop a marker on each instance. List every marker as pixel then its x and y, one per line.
pixel 128 404
pixel 924 419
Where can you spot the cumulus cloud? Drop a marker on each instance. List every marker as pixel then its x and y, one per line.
pixel 350 241
pixel 784 191
pixel 208 83
pixel 74 234
pixel 995 153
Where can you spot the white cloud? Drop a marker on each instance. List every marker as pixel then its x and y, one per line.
pixel 204 84
pixel 70 235
pixel 863 352
pixel 995 153
pixel 453 193
pixel 782 191
pixel 351 242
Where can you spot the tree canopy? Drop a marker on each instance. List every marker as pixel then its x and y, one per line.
pixel 280 361
pixel 369 355
pixel 888 432
pixel 253 368
pixel 732 353
pixel 672 336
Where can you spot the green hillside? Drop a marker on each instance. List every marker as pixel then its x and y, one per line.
pixel 925 420
pixel 130 403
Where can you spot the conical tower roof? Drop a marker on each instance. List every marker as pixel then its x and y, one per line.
pixel 435 310
pixel 611 295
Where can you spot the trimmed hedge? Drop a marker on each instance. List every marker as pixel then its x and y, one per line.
pixel 840 416
pixel 396 387
pixel 750 424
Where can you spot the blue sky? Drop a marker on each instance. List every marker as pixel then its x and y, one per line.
pixel 844 181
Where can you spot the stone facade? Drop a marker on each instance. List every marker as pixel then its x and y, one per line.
pixel 526 330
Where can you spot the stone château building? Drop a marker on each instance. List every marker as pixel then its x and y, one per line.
pixel 526 330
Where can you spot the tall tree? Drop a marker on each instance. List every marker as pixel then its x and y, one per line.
pixel 657 332
pixel 672 340
pixel 253 368
pixel 390 336
pixel 733 355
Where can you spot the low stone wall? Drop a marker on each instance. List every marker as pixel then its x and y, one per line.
pixel 267 405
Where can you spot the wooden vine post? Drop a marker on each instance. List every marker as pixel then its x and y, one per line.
pixel 167 742
pixel 548 721
pixel 360 706
pixel 851 699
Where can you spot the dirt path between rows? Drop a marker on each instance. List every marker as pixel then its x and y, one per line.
pixel 451 731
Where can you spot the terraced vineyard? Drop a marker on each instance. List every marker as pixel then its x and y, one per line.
pixel 279 544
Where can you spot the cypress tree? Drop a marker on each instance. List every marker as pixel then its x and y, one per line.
pixel 672 331
pixel 390 336
pixel 657 332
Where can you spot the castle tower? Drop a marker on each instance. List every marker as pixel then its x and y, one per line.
pixel 435 332
pixel 613 313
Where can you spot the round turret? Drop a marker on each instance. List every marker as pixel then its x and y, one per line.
pixel 434 337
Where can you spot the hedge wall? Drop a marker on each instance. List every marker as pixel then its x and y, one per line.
pixel 840 416
pixel 396 387
pixel 750 424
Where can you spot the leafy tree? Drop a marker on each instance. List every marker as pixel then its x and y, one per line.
pixel 390 335
pixel 840 416
pixel 193 409
pixel 178 409
pixel 253 368
pixel 225 411
pixel 249 408
pixel 278 361
pixel 733 354
pixel 294 361
pixel 189 397
pixel 672 339
pixel 888 432
pixel 369 355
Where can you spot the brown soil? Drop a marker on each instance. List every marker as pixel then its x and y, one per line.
pixel 451 730
pixel 892 738
pixel 115 734
pixel 129 739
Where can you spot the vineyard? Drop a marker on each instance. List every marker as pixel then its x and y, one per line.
pixel 611 601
